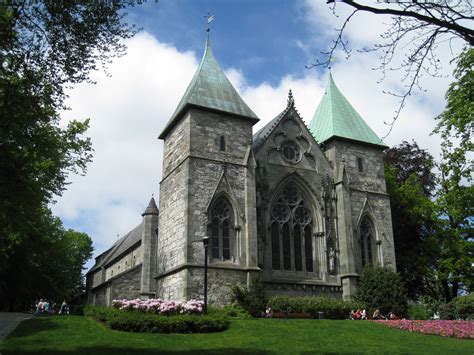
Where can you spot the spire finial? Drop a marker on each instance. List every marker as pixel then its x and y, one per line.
pixel 209 19
pixel 291 101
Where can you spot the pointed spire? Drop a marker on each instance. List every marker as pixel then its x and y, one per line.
pixel 151 209
pixel 291 100
pixel 335 117
pixel 210 89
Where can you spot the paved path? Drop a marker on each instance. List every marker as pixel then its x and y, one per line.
pixel 9 321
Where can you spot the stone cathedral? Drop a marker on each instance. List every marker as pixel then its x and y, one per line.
pixel 304 208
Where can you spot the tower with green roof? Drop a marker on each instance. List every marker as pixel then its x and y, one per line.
pixel 207 187
pixel 363 206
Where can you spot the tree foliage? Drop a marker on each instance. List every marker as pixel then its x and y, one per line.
pixel 45 46
pixel 455 197
pixel 381 288
pixel 414 222
pixel 410 42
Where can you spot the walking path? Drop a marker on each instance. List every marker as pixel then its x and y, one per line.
pixel 9 321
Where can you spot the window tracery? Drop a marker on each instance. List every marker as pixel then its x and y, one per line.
pixel 291 232
pixel 220 230
pixel 367 236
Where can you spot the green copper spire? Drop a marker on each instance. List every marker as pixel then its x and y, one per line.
pixel 335 117
pixel 210 89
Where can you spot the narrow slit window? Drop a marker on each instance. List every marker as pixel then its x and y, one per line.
pixel 360 165
pixel 222 144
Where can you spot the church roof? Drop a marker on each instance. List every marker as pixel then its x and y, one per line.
pixel 210 89
pixel 265 131
pixel 151 209
pixel 119 247
pixel 335 117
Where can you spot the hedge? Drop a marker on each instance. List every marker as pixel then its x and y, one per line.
pixel 152 323
pixel 332 308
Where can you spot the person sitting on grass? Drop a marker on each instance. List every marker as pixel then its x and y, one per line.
pixel 377 315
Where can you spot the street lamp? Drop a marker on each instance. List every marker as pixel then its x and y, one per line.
pixel 205 241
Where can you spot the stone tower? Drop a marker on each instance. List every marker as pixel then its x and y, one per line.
pixel 364 225
pixel 207 189
pixel 149 243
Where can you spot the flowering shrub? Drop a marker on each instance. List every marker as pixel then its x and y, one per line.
pixel 447 328
pixel 159 306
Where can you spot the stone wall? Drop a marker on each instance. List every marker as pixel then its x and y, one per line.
pixel 173 286
pixel 126 285
pixel 302 289
pixel 126 262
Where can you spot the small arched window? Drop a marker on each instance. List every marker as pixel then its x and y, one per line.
pixel 221 230
pixel 367 236
pixel 222 144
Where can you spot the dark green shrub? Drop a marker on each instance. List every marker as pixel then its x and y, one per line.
pixel 459 308
pixel 382 288
pixel 235 310
pixel 152 323
pixel 332 308
pixel 251 299
pixel 446 311
pixel 464 307
pixel 284 304
pixel 419 311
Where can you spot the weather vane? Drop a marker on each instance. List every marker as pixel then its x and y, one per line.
pixel 209 19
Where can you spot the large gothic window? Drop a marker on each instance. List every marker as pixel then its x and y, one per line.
pixel 367 237
pixel 291 232
pixel 221 218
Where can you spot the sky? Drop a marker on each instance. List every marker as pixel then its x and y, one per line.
pixel 264 47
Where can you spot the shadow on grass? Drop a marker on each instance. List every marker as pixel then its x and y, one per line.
pixel 106 351
pixel 33 326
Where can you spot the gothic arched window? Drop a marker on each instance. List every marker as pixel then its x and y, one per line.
pixel 291 232
pixel 367 237
pixel 220 229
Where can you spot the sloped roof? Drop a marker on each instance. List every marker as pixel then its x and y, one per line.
pixel 259 137
pixel 119 247
pixel 210 89
pixel 335 117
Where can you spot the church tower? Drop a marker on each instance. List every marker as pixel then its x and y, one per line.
pixel 364 225
pixel 207 189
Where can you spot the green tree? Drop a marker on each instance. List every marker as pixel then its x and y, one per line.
pixel 455 197
pixel 381 288
pixel 45 46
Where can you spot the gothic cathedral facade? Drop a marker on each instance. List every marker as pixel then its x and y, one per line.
pixel 303 208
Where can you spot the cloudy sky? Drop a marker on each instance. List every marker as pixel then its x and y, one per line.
pixel 263 46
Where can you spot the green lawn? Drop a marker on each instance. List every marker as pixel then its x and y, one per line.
pixel 74 334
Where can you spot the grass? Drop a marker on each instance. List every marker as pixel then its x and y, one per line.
pixel 82 335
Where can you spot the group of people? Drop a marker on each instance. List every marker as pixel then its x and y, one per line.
pixel 45 307
pixel 361 314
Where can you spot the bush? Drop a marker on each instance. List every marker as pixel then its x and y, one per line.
pixel 459 308
pixel 419 311
pixel 251 299
pixel 332 308
pixel 446 311
pixel 464 307
pixel 145 322
pixel 382 288
pixel 234 310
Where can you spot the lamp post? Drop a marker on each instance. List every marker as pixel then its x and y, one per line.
pixel 205 241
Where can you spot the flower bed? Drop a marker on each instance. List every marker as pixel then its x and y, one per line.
pixel 159 306
pixel 447 328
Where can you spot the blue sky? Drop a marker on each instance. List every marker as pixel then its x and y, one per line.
pixel 259 37
pixel 263 47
